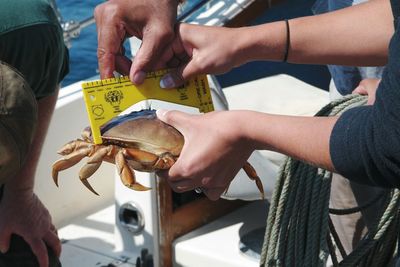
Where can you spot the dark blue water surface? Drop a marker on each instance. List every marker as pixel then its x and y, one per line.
pixel 83 60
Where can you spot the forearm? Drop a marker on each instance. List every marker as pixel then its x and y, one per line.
pixel 304 138
pixel 357 35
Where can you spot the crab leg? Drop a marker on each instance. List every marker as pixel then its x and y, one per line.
pixel 143 159
pixel 92 165
pixel 69 161
pixel 73 146
pixel 251 172
pixel 165 161
pixel 126 174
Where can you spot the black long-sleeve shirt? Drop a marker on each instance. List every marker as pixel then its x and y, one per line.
pixel 365 141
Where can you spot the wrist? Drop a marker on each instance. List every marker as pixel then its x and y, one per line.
pixel 21 182
pixel 266 42
pixel 16 194
pixel 18 188
pixel 243 131
pixel 242 48
pixel 256 130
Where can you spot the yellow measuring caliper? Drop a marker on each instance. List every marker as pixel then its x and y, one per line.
pixel 106 99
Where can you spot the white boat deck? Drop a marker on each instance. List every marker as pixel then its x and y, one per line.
pixel 90 241
pixel 218 243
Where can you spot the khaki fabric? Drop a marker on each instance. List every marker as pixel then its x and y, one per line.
pixel 18 120
pixel 351 228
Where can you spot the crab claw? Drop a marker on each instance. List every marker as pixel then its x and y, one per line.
pixel 92 165
pixel 72 146
pixel 251 172
pixel 54 174
pixel 126 174
pixel 68 161
pixel 88 186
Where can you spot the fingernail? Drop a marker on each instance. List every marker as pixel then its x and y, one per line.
pixel 167 82
pixel 161 112
pixel 139 77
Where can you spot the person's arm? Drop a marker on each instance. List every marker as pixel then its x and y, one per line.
pixel 22 212
pixel 355 36
pixel 365 141
pixel 150 20
pixel 362 144
pixel 303 138
pixel 343 37
pixel 218 144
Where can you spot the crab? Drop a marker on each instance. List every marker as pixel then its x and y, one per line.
pixel 136 141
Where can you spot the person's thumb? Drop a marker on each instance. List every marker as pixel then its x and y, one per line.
pixel 141 62
pixel 148 54
pixel 361 90
pixel 5 242
pixel 178 76
pixel 176 119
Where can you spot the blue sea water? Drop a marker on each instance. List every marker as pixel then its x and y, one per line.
pixel 83 60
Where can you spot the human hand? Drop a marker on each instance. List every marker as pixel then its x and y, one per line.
pixel 213 153
pixel 22 213
pixel 152 21
pixel 368 87
pixel 199 50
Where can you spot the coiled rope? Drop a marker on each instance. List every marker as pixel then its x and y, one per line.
pixel 298 224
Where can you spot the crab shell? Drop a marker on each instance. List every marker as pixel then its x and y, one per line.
pixel 141 130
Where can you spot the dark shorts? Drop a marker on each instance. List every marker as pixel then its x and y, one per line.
pixel 20 255
pixel 39 53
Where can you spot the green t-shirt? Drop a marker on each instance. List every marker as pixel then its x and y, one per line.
pixel 31 40
pixel 15 14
